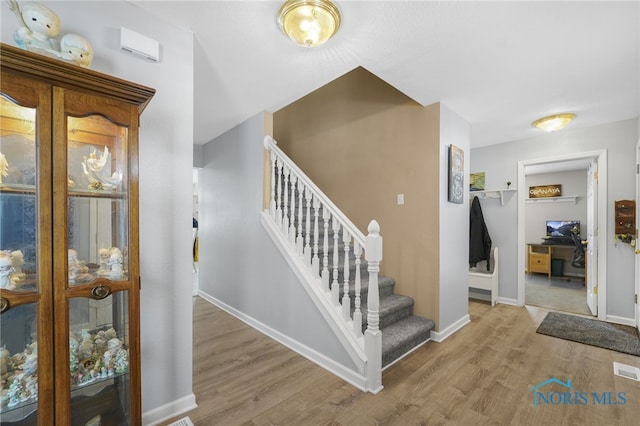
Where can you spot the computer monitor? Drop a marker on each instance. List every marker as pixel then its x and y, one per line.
pixel 562 228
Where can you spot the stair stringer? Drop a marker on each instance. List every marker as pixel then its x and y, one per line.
pixel 332 314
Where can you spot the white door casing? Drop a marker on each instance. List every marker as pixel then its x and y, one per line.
pixel 600 233
pixel 637 248
pixel 591 267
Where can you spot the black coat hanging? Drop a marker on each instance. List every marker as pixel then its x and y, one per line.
pixel 479 239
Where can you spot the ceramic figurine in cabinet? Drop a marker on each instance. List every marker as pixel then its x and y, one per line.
pixel 4 167
pixel 18 261
pixel 92 167
pixel 116 263
pixel 6 270
pixel 115 358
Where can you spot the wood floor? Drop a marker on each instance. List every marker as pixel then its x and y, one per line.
pixel 483 374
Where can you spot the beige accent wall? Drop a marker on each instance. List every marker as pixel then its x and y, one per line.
pixel 363 142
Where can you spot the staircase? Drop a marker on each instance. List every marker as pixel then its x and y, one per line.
pixel 402 331
pixel 325 249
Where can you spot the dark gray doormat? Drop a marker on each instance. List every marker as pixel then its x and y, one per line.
pixel 617 337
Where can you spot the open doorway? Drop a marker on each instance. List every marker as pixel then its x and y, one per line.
pixel 594 163
pixel 556 267
pixel 195 284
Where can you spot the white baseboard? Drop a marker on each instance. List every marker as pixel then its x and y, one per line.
pixel 439 336
pixel 506 301
pixel 350 376
pixel 170 410
pixel 621 320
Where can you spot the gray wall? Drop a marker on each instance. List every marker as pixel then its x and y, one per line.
pixel 500 164
pixel 239 263
pixel 574 183
pixel 166 159
pixel 454 225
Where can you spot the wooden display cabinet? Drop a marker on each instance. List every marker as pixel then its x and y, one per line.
pixel 69 263
pixel 625 217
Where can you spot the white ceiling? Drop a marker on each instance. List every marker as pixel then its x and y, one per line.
pixel 499 65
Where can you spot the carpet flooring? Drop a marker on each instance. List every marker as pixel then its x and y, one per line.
pixel 617 337
pixel 556 294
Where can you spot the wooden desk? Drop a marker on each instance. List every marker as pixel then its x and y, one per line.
pixel 539 256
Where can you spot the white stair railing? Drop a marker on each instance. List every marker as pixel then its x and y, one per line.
pixel 305 217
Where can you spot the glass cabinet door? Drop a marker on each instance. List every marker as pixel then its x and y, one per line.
pixel 69 262
pixel 97 205
pixel 92 246
pixel 25 267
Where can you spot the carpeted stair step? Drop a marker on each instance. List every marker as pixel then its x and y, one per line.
pixel 386 287
pixel 393 308
pixel 402 336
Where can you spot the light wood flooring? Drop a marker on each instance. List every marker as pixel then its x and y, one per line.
pixel 483 374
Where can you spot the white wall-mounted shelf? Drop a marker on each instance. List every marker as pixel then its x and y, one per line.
pixel 491 193
pixel 565 199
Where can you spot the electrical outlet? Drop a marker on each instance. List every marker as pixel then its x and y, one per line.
pixel 400 199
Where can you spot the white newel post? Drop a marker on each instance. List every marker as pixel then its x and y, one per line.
pixel 373 335
pixel 272 201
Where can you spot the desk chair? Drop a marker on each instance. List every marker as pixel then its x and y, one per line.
pixel 578 259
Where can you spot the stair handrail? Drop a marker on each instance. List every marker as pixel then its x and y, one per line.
pixel 271 145
pixel 371 245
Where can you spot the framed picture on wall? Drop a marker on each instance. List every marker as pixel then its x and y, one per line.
pixel 476 181
pixel 456 174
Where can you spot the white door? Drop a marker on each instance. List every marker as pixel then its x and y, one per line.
pixel 591 268
pixel 637 247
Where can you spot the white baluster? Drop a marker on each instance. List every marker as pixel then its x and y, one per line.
pixel 346 300
pixel 300 238
pixel 315 262
pixel 307 236
pixel 357 313
pixel 279 198
pixel 274 175
pixel 285 206
pixel 373 335
pixel 292 224
pixel 325 250
pixel 335 285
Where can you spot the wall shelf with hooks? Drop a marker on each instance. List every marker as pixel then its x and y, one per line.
pixel 564 199
pixel 491 193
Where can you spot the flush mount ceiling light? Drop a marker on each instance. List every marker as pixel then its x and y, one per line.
pixel 309 23
pixel 553 122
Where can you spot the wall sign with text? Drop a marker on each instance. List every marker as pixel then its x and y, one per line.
pixel 545 191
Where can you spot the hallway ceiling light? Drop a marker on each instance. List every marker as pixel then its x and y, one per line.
pixel 553 122
pixel 309 23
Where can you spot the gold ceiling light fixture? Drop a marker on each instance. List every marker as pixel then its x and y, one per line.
pixel 309 23
pixel 554 122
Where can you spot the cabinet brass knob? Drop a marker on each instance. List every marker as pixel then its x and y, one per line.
pixel 100 292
